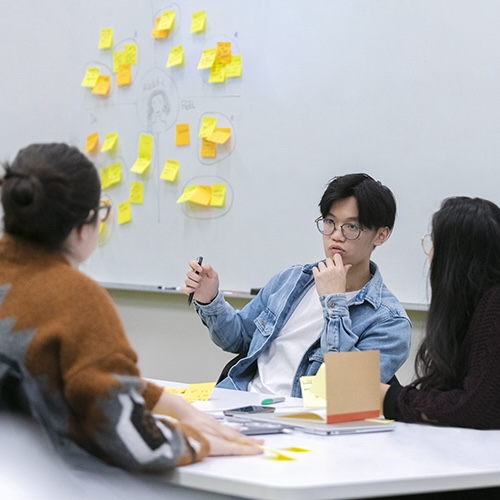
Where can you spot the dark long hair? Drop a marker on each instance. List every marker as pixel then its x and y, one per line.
pixel 47 190
pixel 465 263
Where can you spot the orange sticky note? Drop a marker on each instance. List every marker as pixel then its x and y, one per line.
pixel 102 86
pixel 201 195
pixel 208 149
pixel 92 141
pixel 223 52
pixel 157 33
pixel 124 74
pixel 182 134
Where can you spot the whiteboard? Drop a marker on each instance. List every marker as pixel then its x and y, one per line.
pixel 404 90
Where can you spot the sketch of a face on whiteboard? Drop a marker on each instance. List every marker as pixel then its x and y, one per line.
pixel 158 111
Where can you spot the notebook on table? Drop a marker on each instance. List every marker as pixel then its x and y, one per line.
pixel 320 427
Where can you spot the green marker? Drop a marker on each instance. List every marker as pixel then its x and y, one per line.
pixel 271 401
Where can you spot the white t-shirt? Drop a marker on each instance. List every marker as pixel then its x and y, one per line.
pixel 276 366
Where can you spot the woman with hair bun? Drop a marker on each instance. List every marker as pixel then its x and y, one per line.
pixel 65 358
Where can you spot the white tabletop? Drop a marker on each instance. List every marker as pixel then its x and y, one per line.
pixel 411 459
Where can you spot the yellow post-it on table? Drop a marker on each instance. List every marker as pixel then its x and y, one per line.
pixel 198 21
pixel 106 38
pixel 182 134
pixel 199 392
pixel 92 141
pixel 170 170
pixel 352 385
pixel 175 390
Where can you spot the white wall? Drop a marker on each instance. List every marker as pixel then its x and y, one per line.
pixel 173 344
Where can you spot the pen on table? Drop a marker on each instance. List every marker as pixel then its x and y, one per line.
pixel 271 401
pixel 199 260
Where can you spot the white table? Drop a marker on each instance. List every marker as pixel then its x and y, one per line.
pixel 411 459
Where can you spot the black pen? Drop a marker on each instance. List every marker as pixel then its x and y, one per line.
pixel 199 260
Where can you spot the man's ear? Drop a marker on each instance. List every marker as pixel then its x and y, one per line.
pixel 382 236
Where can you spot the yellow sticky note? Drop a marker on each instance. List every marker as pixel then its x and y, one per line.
pixel 170 170
pixel 167 20
pixel 110 142
pixel 130 53
pixel 90 78
pixel 140 165
pixel 318 384
pixel 208 149
pixel 145 154
pixel 208 126
pixel 124 75
pixel 158 33
pixel 218 195
pixel 201 195
pixel 186 194
pixel 217 73
pixel 102 86
pixel 111 175
pixel 175 390
pixel 207 58
pixel 310 399
pixel 220 135
pixel 176 56
pixel 92 141
pixel 118 60
pixel 124 212
pixel 137 192
pixel 182 134
pixel 235 67
pixel 199 392
pixel 198 21
pixel 106 38
pixel 146 146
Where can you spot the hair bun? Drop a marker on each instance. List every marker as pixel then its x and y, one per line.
pixel 23 190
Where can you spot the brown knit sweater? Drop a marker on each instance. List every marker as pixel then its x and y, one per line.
pixel 475 402
pixel 81 374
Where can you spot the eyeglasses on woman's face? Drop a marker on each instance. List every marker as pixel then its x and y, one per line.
pixel 427 244
pixel 349 230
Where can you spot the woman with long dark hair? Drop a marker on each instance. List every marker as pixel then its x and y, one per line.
pixel 458 362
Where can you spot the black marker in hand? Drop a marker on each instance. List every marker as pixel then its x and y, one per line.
pixel 191 295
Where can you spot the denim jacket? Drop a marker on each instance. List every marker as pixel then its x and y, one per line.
pixel 373 319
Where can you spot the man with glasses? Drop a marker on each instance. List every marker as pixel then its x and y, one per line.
pixel 338 304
